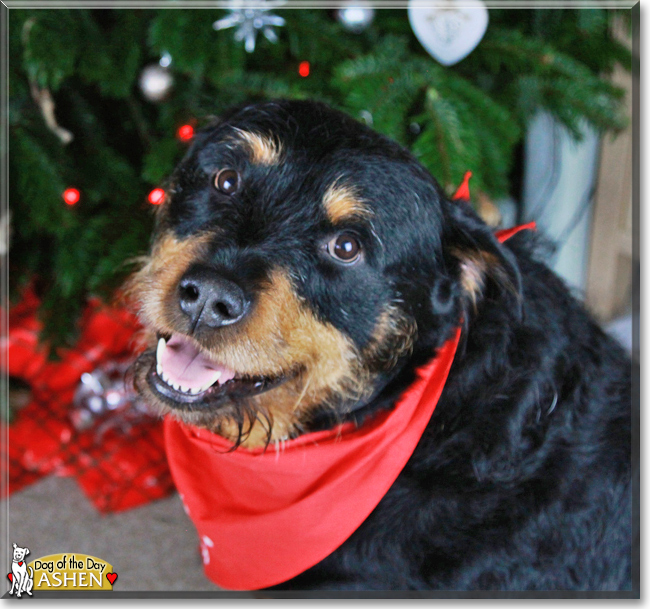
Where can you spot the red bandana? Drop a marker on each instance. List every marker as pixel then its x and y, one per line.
pixel 264 517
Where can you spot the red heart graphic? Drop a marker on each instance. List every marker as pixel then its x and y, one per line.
pixel 111 577
pixel 20 564
pixel 11 577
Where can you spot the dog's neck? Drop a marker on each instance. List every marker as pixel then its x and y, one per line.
pixel 389 386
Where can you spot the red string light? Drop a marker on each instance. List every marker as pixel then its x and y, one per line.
pixel 71 196
pixel 156 196
pixel 185 133
pixel 303 69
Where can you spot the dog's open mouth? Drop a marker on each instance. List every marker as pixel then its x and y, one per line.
pixel 184 376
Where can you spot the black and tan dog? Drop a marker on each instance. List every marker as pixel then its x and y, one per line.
pixel 303 268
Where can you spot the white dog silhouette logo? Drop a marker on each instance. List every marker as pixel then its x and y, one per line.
pixel 21 576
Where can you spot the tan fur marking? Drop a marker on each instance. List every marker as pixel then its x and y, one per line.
pixel 393 337
pixel 263 150
pixel 475 267
pixel 156 282
pixel 342 203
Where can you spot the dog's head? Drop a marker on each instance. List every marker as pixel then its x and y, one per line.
pixel 300 261
pixel 20 553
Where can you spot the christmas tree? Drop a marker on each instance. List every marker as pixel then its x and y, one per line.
pixel 103 104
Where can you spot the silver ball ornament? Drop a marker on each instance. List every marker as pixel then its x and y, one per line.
pixel 155 82
pixel 355 16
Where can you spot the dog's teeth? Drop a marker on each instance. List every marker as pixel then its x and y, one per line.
pixel 159 369
pixel 213 384
pixel 195 391
pixel 216 380
pixel 162 344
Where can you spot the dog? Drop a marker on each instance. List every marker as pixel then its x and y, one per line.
pixel 21 580
pixel 304 269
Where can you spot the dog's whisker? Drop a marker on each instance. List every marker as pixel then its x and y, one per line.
pixel 305 387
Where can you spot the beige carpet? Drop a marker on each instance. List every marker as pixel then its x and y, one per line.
pixel 151 548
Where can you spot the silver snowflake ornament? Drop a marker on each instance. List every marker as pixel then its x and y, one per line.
pixel 250 21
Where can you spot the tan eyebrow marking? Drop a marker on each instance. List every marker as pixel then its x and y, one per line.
pixel 342 203
pixel 264 150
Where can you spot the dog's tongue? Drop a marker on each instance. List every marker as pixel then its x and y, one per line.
pixel 183 364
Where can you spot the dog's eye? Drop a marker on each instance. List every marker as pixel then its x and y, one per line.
pixel 345 248
pixel 227 181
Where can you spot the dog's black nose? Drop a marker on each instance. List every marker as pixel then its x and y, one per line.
pixel 209 299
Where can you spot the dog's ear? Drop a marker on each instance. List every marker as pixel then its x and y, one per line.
pixel 15 546
pixel 484 266
pixel 27 551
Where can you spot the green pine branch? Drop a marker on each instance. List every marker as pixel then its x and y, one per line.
pixel 468 116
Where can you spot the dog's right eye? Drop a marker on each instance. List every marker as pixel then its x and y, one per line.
pixel 227 181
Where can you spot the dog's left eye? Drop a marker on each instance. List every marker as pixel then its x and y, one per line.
pixel 345 248
pixel 227 181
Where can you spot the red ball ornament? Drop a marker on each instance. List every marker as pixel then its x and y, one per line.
pixel 303 69
pixel 185 133
pixel 71 196
pixel 156 196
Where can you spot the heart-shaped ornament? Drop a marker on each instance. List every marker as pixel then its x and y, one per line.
pixel 448 30
pixel 111 577
pixel 11 577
